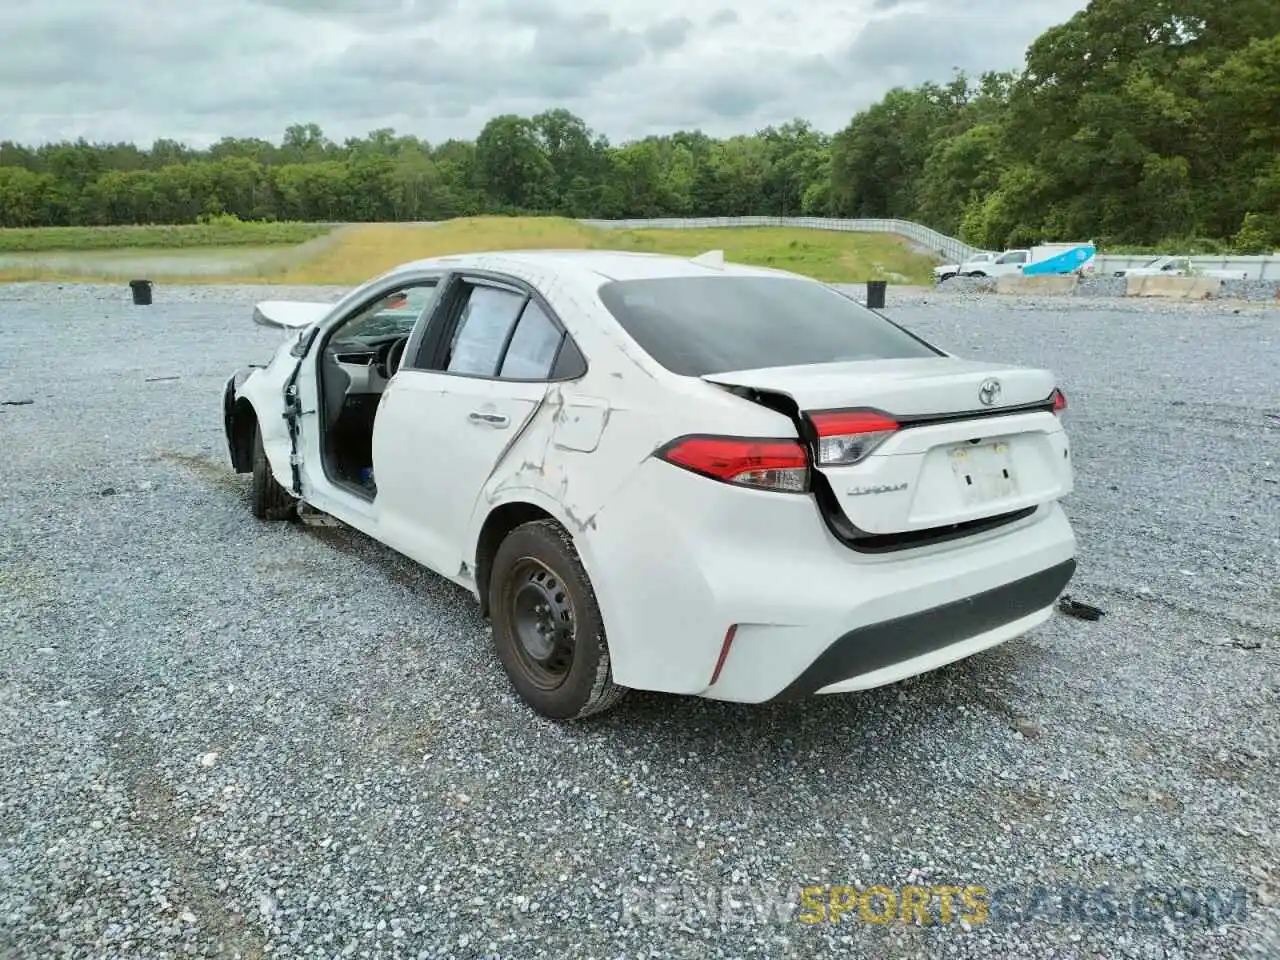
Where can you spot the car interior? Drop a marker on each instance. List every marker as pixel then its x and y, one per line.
pixel 358 360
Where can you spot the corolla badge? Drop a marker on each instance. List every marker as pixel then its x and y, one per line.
pixel 989 392
pixel 880 488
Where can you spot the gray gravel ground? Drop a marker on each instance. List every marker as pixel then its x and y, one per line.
pixel 226 738
pixel 1257 291
pixel 1264 291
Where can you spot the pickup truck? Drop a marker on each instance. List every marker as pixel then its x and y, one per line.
pixel 977 262
pixel 1179 267
pixel 1048 258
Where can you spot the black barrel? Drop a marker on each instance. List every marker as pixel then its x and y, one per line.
pixel 141 292
pixel 875 293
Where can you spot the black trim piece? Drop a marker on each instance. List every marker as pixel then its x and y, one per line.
pixel 920 420
pixel 883 644
pixel 424 343
pixel 932 536
pixel 929 419
pixel 569 363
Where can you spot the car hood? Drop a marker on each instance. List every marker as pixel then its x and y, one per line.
pixel 289 314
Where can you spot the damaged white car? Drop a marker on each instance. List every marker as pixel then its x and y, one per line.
pixel 669 474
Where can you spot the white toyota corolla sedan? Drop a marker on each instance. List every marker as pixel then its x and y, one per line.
pixel 669 474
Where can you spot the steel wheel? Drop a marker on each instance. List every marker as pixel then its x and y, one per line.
pixel 542 619
pixel 547 628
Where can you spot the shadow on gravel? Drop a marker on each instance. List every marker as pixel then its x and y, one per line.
pixel 876 728
pixel 906 718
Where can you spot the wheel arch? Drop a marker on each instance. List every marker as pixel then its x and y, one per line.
pixel 500 521
pixel 242 423
pixel 526 506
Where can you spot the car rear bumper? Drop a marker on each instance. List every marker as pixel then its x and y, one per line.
pixel 677 560
pixel 888 651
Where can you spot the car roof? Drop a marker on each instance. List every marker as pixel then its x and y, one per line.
pixel 603 264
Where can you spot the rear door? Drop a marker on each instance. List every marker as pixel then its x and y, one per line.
pixel 473 381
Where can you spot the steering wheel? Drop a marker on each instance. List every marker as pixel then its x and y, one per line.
pixel 394 356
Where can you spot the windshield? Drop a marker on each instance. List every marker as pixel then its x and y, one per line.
pixel 704 325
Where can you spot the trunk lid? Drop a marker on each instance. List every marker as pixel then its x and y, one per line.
pixel 954 458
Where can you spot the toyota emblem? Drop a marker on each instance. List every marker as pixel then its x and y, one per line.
pixel 989 392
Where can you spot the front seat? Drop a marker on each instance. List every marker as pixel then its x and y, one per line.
pixel 335 384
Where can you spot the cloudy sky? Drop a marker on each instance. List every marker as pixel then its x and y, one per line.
pixel 197 70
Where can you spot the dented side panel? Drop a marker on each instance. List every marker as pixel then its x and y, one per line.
pixel 584 458
pixel 436 441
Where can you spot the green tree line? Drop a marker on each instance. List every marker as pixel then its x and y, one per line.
pixel 1137 123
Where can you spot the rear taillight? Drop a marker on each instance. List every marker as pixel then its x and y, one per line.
pixel 1059 400
pixel 848 436
pixel 780 465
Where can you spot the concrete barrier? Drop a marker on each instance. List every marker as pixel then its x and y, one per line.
pixel 1095 285
pixel 1174 288
pixel 1029 286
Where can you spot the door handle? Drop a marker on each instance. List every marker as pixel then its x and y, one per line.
pixel 492 419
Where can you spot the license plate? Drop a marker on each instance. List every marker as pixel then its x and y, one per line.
pixel 984 472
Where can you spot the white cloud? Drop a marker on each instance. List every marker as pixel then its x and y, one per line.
pixel 440 68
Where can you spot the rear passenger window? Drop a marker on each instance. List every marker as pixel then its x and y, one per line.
pixel 533 346
pixel 482 330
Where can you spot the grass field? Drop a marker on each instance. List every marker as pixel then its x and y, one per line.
pixel 354 253
pixel 220 233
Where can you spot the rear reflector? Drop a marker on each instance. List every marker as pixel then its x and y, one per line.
pixel 724 654
pixel 780 465
pixel 1059 400
pixel 848 436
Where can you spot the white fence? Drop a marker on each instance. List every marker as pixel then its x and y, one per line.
pixel 949 248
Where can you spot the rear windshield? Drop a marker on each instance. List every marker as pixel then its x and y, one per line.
pixel 701 325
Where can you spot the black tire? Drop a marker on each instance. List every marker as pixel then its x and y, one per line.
pixel 270 501
pixel 563 673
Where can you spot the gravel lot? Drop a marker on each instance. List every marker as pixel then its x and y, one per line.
pixel 226 738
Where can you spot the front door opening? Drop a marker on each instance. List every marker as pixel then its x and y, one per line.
pixel 356 361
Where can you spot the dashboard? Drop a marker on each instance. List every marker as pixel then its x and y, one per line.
pixel 362 347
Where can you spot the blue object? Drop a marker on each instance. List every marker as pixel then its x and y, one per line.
pixel 1066 262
